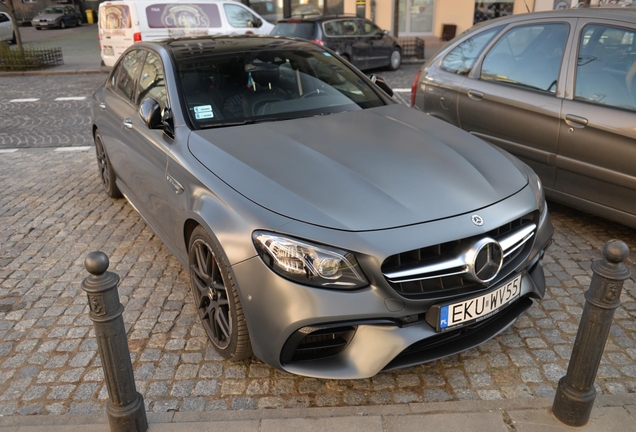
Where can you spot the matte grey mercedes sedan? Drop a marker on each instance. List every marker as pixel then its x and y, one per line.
pixel 327 229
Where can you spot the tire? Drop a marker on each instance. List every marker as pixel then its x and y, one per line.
pixel 79 22
pixel 38 28
pixel 13 40
pixel 395 60
pixel 106 173
pixel 216 299
pixel 62 24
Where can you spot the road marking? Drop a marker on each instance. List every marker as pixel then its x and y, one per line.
pixel 401 90
pixel 25 100
pixel 72 149
pixel 8 150
pixel 71 98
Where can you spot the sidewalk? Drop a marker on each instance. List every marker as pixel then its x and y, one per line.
pixel 611 413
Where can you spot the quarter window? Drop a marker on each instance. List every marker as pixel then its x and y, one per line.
pixel 128 72
pixel 528 56
pixel 606 66
pixel 460 60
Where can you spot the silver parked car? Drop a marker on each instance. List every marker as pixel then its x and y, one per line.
pixel 556 89
pixel 57 17
pixel 6 28
pixel 327 229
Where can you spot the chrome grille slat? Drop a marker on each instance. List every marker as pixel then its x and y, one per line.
pixel 444 267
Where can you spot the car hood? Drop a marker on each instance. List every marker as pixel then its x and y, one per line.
pixel 363 170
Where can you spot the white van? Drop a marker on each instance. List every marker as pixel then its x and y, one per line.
pixel 124 22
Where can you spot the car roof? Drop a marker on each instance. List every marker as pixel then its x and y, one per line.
pixel 618 13
pixel 319 18
pixel 203 46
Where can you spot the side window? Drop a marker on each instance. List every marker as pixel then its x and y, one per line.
pixel 238 16
pixel 128 72
pixel 528 56
pixel 333 28
pixel 351 27
pixel 461 59
pixel 606 66
pixel 3 18
pixel 152 81
pixel 369 28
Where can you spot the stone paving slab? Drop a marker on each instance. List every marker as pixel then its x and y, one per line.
pixel 601 420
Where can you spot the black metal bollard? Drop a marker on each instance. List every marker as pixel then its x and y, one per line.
pixel 576 393
pixel 125 407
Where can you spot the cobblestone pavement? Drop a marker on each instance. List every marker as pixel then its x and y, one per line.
pixel 53 212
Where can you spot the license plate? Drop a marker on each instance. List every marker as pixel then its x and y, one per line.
pixel 108 51
pixel 479 308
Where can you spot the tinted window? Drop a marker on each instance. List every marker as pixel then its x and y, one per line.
pixel 152 82
pixel 238 16
pixel 333 28
pixel 606 66
pixel 460 60
pixel 3 18
pixel 528 56
pixel 351 27
pixel 269 85
pixel 128 72
pixel 304 30
pixel 369 28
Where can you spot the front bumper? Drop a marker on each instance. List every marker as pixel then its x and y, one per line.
pixel 384 330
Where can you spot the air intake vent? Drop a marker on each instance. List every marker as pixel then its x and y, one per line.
pixel 312 343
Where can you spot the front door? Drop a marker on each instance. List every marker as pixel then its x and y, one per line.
pixel 380 44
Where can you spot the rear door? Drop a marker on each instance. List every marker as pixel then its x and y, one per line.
pixel 597 142
pixel 356 45
pixel 513 97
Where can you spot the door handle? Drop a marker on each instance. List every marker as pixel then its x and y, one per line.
pixel 128 123
pixel 475 95
pixel 102 105
pixel 178 189
pixel 575 121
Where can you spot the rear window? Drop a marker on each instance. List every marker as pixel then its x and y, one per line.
pixel 304 30
pixel 183 16
pixel 115 17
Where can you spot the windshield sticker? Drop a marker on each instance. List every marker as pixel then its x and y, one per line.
pixel 203 112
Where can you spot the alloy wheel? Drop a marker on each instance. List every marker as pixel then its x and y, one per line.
pixel 210 295
pixel 396 59
pixel 102 162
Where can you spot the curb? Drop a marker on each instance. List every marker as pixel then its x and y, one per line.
pixel 454 407
pixel 52 72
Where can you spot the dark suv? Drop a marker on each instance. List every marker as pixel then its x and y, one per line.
pixel 358 40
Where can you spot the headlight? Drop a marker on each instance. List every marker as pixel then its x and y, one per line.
pixel 309 264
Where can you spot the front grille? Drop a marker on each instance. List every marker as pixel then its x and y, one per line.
pixel 442 270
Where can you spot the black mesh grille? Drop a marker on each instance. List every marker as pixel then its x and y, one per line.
pixel 323 343
pixel 458 284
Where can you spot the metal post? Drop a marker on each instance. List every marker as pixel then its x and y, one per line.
pixel 125 407
pixel 576 393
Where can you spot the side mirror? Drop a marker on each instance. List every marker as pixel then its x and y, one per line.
pixel 381 82
pixel 150 113
pixel 167 122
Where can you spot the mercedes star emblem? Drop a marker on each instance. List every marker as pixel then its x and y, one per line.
pixel 484 260
pixel 477 220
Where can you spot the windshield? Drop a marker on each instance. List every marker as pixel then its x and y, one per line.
pixel 53 10
pixel 248 87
